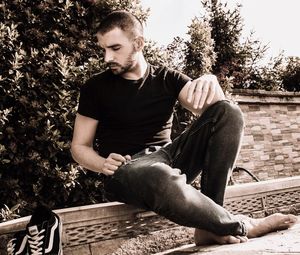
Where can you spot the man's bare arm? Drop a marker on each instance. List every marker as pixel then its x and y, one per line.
pixel 198 94
pixel 83 152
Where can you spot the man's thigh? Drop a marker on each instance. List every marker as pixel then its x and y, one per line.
pixel 135 179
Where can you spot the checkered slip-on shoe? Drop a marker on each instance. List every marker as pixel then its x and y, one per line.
pixel 44 232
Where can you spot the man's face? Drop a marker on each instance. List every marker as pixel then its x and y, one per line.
pixel 119 52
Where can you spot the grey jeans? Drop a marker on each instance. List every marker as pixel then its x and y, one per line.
pixel 160 181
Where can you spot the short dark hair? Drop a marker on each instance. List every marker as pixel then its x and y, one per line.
pixel 124 20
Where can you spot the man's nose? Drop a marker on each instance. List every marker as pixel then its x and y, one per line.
pixel 108 57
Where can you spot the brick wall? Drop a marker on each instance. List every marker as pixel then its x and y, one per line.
pixel 271 142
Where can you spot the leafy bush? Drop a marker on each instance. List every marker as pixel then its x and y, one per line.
pixel 280 73
pixel 291 74
pixel 200 54
pixel 215 46
pixel 236 61
pixel 47 50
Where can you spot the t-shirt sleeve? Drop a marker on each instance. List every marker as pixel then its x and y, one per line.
pixel 88 105
pixel 178 80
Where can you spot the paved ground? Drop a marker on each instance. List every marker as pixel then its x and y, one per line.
pixel 285 242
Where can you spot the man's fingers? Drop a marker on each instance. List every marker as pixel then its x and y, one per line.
pixel 212 92
pixel 127 157
pixel 112 163
pixel 191 89
pixel 108 172
pixel 117 157
pixel 109 166
pixel 201 90
pixel 205 90
pixel 197 94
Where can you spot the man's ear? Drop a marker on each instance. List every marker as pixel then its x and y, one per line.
pixel 139 43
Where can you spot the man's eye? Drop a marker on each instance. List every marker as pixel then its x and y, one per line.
pixel 116 48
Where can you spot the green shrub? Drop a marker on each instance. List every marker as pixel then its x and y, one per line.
pixel 199 53
pixel 291 74
pixel 47 51
pixel 239 62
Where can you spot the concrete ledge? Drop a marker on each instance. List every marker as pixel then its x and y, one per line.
pixel 246 96
pixel 89 225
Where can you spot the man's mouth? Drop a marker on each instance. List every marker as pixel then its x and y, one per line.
pixel 113 66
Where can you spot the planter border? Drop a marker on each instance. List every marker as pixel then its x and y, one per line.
pixel 89 224
pixel 249 96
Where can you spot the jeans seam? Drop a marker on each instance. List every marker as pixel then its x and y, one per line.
pixel 210 120
pixel 213 120
pixel 167 154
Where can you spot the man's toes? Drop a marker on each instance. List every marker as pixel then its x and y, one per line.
pixel 292 218
pixel 287 221
pixel 243 239
pixel 229 240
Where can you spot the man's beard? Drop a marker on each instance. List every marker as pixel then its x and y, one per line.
pixel 119 69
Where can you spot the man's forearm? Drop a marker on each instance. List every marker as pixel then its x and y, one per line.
pixel 87 157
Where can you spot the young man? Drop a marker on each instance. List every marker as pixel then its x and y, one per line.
pixel 129 109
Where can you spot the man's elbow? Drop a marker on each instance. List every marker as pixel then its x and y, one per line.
pixel 73 151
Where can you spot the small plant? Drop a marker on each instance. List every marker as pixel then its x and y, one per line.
pixel 7 213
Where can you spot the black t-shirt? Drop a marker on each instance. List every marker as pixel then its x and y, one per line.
pixel 132 114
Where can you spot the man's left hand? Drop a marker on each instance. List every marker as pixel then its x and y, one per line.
pixel 204 90
pixel 198 94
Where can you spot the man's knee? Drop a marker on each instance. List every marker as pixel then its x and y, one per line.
pixel 234 111
pixel 232 114
pixel 165 185
pixel 161 174
pixel 154 175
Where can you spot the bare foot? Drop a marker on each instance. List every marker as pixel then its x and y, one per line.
pixel 255 228
pixel 203 237
pixel 262 226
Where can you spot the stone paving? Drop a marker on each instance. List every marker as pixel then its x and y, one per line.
pixel 286 242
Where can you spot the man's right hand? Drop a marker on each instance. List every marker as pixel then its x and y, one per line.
pixel 83 152
pixel 113 162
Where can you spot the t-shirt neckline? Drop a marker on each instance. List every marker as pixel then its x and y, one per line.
pixel 140 80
